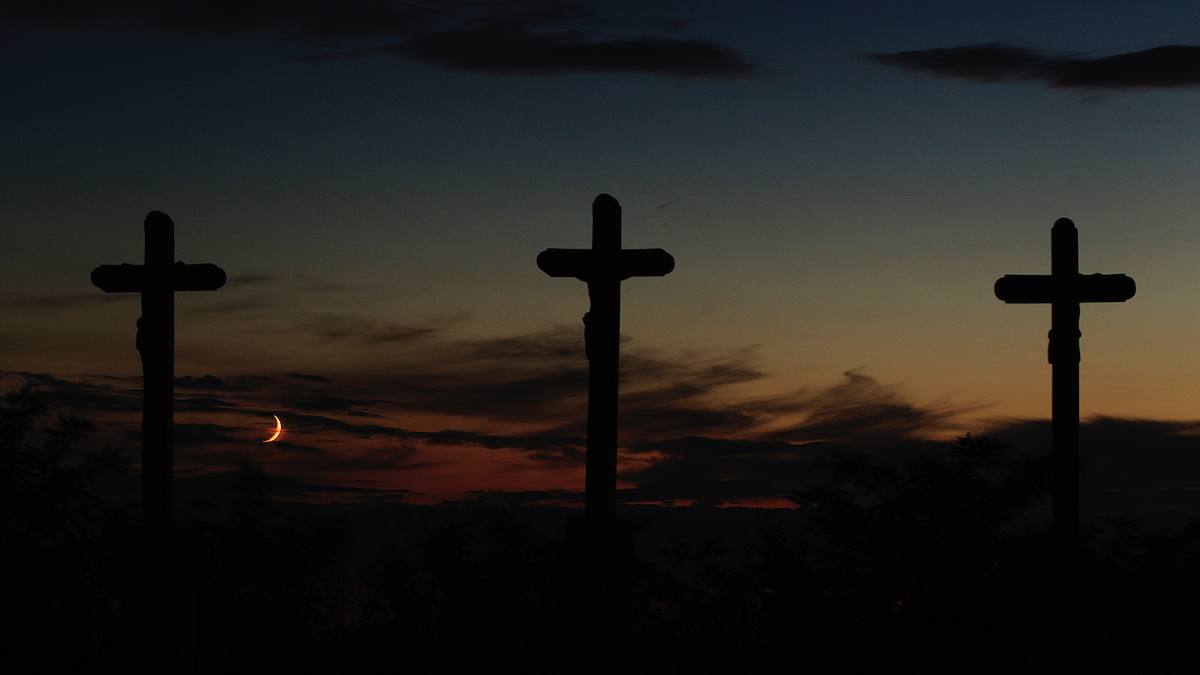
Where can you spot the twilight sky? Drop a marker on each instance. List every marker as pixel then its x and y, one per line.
pixel 840 184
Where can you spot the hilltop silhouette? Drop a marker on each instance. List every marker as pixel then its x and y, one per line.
pixel 926 565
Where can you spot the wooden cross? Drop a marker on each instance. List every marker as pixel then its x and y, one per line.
pixel 157 280
pixel 1065 288
pixel 603 266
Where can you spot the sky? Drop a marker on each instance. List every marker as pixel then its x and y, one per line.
pixel 840 185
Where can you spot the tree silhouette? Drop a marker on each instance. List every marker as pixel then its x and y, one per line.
pixel 923 565
pixel 57 605
pixel 932 552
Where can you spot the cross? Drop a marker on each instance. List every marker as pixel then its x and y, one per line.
pixel 603 266
pixel 157 280
pixel 599 546
pixel 1065 288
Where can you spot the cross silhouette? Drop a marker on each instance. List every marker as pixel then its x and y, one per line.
pixel 1065 288
pixel 157 280
pixel 603 266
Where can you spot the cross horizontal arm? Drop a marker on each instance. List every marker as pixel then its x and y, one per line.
pixel 132 278
pixel 1042 288
pixel 588 265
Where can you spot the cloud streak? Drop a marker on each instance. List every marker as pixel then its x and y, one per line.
pixel 1167 67
pixel 530 37
pixel 517 405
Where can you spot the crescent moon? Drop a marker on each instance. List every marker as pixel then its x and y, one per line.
pixel 278 429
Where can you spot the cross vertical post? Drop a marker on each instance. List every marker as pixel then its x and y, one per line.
pixel 1065 289
pixel 1064 357
pixel 602 339
pixel 156 343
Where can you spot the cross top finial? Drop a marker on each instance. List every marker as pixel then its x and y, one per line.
pixel 606 224
pixel 158 219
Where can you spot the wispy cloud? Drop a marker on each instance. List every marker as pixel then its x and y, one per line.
pixel 85 393
pixel 346 327
pixel 309 378
pixel 1167 67
pixel 520 402
pixel 41 303
pixel 214 383
pixel 859 409
pixel 525 37
pixel 247 279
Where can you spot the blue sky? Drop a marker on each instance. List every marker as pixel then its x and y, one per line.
pixel 379 212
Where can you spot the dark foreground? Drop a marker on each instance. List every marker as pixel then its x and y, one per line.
pixel 920 567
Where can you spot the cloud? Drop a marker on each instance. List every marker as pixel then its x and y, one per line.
pixel 402 458
pixel 309 378
pixel 528 53
pixel 214 383
pixel 199 434
pixel 322 402
pixel 88 393
pixel 42 303
pixel 247 279
pixel 860 410
pixel 1148 468
pixel 345 327
pixel 530 37
pixel 685 433
pixel 234 306
pixel 1168 67
pixel 547 497
pixel 282 486
pixel 547 447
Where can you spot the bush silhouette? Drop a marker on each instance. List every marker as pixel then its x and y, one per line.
pixel 924 565
pixel 58 568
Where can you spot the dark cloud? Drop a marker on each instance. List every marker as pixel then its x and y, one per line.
pixel 529 497
pixel 214 383
pixel 282 486
pixel 1148 468
pixel 700 493
pixel 196 434
pixel 210 382
pixel 530 37
pixel 87 393
pixel 529 53
pixel 1168 67
pixel 310 378
pixel 542 378
pixel 41 303
pixel 322 402
pixel 234 306
pixel 721 469
pixel 547 447
pixel 204 404
pixel 860 409
pixel 684 437
pixel 402 458
pixel 285 444
pixel 340 328
pixel 247 279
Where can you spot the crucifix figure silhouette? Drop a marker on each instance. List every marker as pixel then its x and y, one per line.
pixel 1064 289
